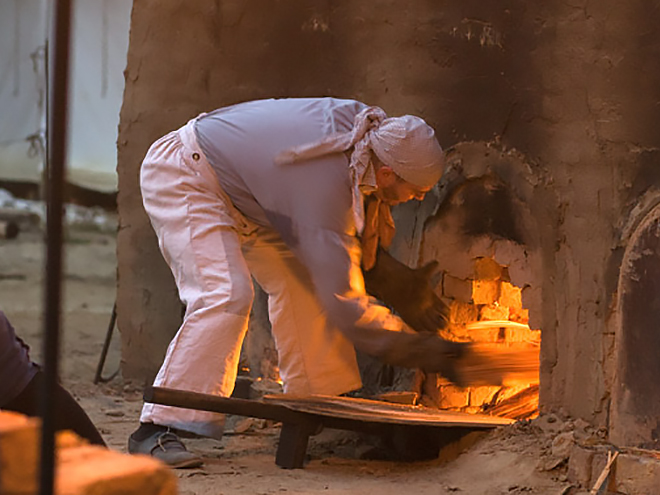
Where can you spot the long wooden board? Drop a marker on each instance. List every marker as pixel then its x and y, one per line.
pixel 383 412
pixel 301 416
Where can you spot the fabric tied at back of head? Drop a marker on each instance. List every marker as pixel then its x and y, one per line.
pixel 363 176
pixel 406 144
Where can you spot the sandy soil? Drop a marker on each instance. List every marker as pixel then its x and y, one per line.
pixel 513 460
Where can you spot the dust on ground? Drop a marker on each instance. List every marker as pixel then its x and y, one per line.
pixel 512 460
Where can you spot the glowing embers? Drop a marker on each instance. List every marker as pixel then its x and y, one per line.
pixel 488 311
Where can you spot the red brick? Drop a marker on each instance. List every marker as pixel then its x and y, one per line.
pixel 636 474
pixel 485 291
pixel 482 395
pixel 81 468
pixel 485 334
pixel 494 312
pixel 19 447
pixel 522 334
pixel 462 313
pixel 510 296
pixel 90 469
pixel 457 289
pixel 579 466
pixel 452 397
pixel 519 315
pixel 487 269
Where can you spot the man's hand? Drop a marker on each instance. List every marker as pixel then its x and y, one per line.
pixel 408 292
pixel 447 361
pixel 432 354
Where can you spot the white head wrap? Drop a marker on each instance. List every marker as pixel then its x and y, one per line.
pixel 406 144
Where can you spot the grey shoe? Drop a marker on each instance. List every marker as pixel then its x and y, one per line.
pixel 166 447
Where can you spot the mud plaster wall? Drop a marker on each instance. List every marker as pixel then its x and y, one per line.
pixel 571 87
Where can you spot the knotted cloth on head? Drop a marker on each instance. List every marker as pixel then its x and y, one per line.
pixel 406 144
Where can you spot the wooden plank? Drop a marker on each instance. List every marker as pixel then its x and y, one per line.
pixel 383 412
pixel 296 409
pixel 301 416
pixel 214 403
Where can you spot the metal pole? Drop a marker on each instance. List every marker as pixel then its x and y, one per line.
pixel 98 377
pixel 55 173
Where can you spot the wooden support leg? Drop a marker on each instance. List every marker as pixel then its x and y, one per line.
pixel 292 448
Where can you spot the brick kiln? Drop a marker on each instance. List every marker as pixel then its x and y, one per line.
pixel 478 228
pixel 486 308
pixel 569 218
pixel 489 228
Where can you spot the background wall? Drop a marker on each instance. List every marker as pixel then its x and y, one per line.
pixel 571 87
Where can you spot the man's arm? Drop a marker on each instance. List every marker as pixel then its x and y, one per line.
pixel 408 292
pixel 333 261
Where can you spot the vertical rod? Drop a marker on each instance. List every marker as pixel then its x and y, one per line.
pixel 55 173
pixel 98 377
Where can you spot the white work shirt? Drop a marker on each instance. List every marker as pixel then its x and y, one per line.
pixel 309 202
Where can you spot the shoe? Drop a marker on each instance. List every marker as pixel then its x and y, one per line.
pixel 166 447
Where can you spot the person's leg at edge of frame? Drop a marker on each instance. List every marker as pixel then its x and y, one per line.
pixel 20 387
pixel 202 249
pixel 69 415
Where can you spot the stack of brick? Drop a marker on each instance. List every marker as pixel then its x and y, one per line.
pixel 80 468
pixel 487 296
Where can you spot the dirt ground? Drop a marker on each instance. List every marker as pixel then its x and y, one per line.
pixel 513 460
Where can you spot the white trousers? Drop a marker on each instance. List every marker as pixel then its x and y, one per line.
pixel 212 251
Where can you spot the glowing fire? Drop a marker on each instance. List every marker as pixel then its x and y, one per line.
pixel 496 322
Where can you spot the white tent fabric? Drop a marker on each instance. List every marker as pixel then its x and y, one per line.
pixel 99 44
pixel 22 84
